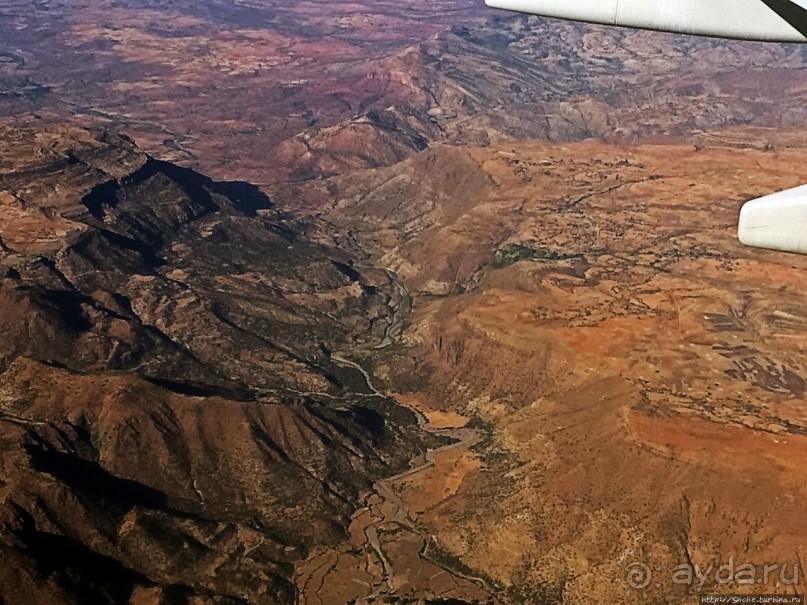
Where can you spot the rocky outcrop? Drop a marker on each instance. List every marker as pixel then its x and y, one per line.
pixel 173 425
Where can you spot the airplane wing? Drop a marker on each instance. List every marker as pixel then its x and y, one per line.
pixel 778 221
pixel 765 20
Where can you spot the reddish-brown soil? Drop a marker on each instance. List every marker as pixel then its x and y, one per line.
pixel 524 230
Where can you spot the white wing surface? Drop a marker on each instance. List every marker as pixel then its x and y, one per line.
pixel 767 20
pixel 777 222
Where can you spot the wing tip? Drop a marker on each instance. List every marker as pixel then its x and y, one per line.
pixel 776 222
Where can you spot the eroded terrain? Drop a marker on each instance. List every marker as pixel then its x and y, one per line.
pixel 175 423
pixel 286 93
pixel 638 374
pixel 477 329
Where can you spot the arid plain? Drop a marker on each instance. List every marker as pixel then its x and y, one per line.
pixel 635 374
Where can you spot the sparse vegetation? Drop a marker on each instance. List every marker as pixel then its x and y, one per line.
pixel 517 252
pixel 439 555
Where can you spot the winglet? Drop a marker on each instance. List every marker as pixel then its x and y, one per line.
pixel 776 222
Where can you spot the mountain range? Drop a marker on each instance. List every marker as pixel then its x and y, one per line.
pixel 330 303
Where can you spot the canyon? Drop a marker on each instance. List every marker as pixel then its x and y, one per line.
pixel 329 303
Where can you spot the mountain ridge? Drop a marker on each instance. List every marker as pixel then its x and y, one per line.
pixel 167 382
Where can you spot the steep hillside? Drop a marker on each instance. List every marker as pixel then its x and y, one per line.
pixel 325 88
pixel 516 78
pixel 633 378
pixel 480 331
pixel 173 423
